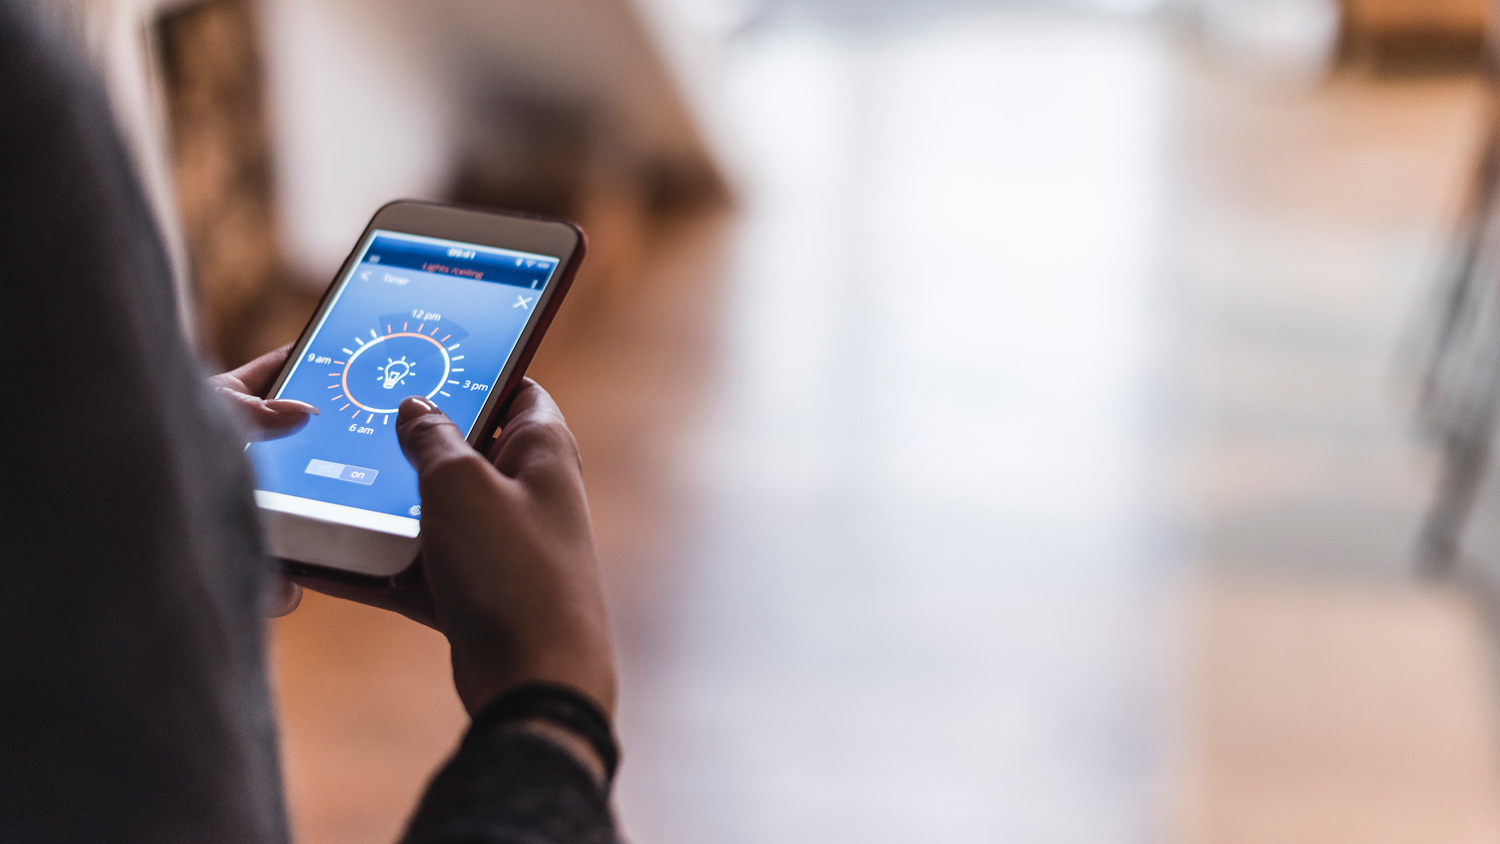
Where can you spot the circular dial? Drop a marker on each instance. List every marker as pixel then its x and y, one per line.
pixel 383 369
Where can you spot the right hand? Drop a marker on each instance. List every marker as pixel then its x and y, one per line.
pixel 508 573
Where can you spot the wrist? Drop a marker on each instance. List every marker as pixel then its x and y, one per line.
pixel 483 675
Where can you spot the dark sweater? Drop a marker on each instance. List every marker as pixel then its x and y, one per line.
pixel 133 683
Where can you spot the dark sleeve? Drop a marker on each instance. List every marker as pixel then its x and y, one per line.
pixel 509 786
pixel 133 688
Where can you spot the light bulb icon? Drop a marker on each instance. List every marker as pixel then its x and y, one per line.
pixel 394 372
pixel 422 357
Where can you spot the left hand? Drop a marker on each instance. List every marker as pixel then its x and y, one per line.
pixel 243 388
pixel 266 420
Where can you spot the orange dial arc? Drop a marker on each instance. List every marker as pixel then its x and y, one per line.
pixel 344 376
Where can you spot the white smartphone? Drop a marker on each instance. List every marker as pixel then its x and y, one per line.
pixel 438 301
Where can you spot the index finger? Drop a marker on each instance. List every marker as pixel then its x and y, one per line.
pixel 533 402
pixel 256 376
pixel 534 439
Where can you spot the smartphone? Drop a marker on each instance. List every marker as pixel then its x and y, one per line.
pixel 438 301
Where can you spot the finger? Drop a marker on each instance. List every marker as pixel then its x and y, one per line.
pixel 256 376
pixel 428 438
pixel 531 400
pixel 535 444
pixel 287 598
pixel 265 419
pixel 243 387
pixel 411 600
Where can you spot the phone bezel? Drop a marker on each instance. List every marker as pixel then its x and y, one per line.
pixel 344 552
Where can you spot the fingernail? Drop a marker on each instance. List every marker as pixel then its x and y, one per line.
pixel 292 406
pixel 414 406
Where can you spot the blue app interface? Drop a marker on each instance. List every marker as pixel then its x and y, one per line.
pixel 415 316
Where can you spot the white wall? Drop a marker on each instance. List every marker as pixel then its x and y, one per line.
pixel 369 97
pixel 358 117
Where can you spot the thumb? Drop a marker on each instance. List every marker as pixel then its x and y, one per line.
pixel 428 437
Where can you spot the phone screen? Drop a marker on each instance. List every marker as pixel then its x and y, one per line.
pixel 415 316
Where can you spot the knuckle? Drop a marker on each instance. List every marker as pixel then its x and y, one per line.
pixel 454 467
pixel 545 435
pixel 425 426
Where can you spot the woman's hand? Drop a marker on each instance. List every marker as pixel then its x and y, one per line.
pixel 508 570
pixel 243 388
pixel 266 420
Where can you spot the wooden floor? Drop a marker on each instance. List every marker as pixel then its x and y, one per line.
pixel 1329 714
pixel 1018 459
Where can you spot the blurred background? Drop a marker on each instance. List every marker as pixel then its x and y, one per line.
pixel 1050 421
